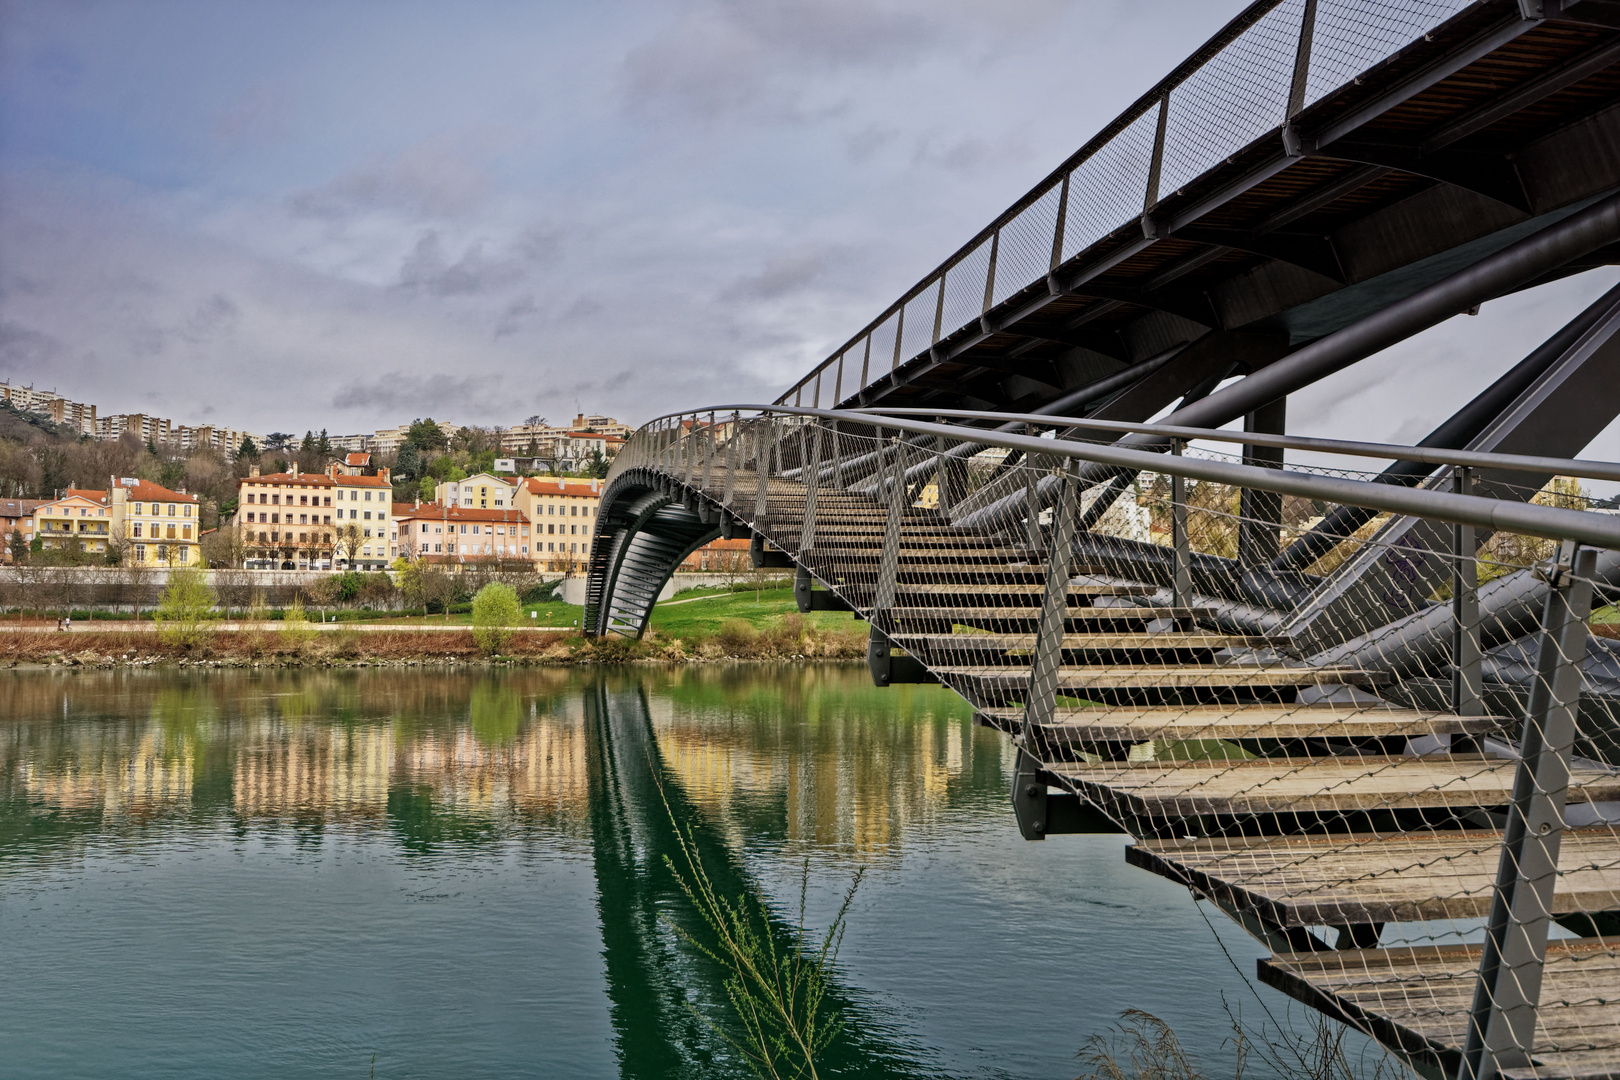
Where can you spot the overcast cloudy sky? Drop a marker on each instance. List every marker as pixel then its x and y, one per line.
pixel 303 215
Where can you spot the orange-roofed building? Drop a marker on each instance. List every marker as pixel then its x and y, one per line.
pixel 314 521
pixel 435 532
pixel 158 527
pixel 77 518
pixel 564 515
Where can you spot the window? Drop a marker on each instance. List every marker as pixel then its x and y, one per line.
pixel 368 534
pixel 185 532
pixel 550 528
pixel 573 511
pixel 137 508
pixel 354 513
pixel 171 509
pixel 275 519
pixel 327 520
pixel 436 547
pixel 303 519
pixel 329 502
pixel 368 496
pixel 303 500
pixel 140 551
pixel 368 515
pixel 463 528
pixel 551 547
pixel 138 525
pixel 475 530
pixel 424 526
pixel 274 499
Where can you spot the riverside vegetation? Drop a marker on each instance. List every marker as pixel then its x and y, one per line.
pixel 498 627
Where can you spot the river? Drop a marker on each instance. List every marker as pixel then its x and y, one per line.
pixel 461 874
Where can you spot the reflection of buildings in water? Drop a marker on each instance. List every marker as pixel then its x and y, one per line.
pixel 852 779
pixel 115 775
pixel 541 770
pixel 285 767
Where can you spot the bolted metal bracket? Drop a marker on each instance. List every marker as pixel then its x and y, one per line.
pixel 1029 797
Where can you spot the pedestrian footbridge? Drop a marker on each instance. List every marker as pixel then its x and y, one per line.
pixel 1346 692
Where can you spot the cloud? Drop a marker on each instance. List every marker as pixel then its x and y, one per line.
pixel 425 270
pixel 214 316
pixel 782 274
pixel 23 349
pixel 401 392
pixel 513 317
pixel 432 179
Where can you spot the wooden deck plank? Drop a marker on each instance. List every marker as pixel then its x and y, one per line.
pixel 1418 999
pixel 1334 880
pixel 1175 723
pixel 1164 641
pixel 1145 676
pixel 1314 785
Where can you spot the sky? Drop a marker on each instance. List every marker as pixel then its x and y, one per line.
pixel 305 215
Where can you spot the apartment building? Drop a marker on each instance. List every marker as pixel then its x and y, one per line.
pixel 486 491
pixel 152 429
pixel 314 521
pixel 564 516
pixel 79 416
pixel 16 516
pixel 158 527
pixel 223 439
pixel 153 525
pixel 437 532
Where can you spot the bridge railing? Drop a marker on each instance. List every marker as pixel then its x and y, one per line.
pixel 1376 720
pixel 1270 63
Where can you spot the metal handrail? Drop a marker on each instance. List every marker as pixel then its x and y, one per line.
pixel 1583 468
pixel 1600 530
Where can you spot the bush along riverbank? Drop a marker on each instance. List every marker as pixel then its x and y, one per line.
pixel 295 644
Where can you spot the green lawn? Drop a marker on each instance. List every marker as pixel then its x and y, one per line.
pixel 704 616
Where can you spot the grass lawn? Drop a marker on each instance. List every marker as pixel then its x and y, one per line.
pixel 704 615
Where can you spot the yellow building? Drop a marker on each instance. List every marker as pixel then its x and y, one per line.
pixel 564 516
pixel 157 527
pixel 78 519
pixel 145 524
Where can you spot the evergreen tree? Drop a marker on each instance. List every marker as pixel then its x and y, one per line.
pixel 307 447
pixel 324 447
pixel 409 464
pixel 249 449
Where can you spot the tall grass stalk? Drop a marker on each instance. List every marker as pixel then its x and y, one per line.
pixel 777 989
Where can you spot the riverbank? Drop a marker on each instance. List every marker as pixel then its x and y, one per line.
pixel 788 637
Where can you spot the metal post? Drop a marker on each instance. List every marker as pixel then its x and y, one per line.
pixel 942 475
pixel 762 473
pixel 731 460
pixel 1466 685
pixel 837 456
pixel 1181 581
pixel 691 450
pixel 709 438
pixel 811 472
pixel 1502 1023
pixel 1260 512
pixel 1032 496
pixel 883 597
pixel 1029 792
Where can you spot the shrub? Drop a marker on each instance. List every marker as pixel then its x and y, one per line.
pixel 494 613
pixel 184 609
pixel 295 629
pixel 737 637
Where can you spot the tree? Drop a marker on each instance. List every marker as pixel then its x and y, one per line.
pixel 323 447
pixel 295 629
pixel 18 546
pixel 279 441
pixel 306 449
pixel 409 464
pixel 597 465
pixel 249 449
pixel 495 612
pixel 184 609
pixel 426 435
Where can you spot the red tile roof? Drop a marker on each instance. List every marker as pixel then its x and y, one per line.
pixel 364 481
pixel 146 491
pixel 554 485
pixel 357 461
pixel 435 512
pixel 308 479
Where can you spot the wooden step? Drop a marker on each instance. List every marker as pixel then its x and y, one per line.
pixel 1339 880
pixel 1010 595
pixel 1175 723
pixel 1186 789
pixel 1169 641
pixel 1079 678
pixel 1419 998
pixel 942 618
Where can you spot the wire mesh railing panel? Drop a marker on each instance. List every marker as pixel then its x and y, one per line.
pixel 1421 818
pixel 882 341
pixel 964 288
pixel 1240 94
pixel 1024 254
pixel 1108 189
pixel 921 311
pixel 1352 36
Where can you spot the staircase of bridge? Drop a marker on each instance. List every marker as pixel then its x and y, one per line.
pixel 1396 767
